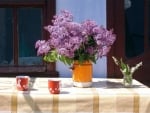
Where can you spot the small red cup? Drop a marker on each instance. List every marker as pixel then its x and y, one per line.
pixel 22 83
pixel 54 86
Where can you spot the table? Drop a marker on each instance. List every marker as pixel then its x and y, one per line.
pixel 105 96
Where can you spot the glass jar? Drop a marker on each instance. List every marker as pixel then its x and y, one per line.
pixel 127 80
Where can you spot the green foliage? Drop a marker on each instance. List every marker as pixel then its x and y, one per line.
pixel 125 68
pixel 53 56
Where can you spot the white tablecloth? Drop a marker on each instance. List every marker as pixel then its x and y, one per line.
pixel 105 96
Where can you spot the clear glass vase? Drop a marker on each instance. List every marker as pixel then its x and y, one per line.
pixel 127 80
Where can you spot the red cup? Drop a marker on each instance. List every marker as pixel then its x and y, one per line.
pixel 54 86
pixel 22 83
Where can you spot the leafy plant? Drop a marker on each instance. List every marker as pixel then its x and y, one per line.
pixel 70 41
pixel 125 68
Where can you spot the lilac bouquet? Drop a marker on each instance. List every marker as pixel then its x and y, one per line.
pixel 70 41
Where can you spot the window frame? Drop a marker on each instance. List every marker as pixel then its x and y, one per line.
pixel 48 10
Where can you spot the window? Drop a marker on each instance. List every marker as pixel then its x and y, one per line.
pixel 21 26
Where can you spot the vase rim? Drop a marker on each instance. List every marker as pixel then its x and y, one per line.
pixel 85 62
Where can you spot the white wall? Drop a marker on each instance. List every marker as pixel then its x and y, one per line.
pixel 85 9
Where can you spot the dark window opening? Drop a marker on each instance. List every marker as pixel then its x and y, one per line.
pixel 21 26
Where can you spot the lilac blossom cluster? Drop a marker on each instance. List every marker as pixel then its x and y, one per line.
pixel 71 41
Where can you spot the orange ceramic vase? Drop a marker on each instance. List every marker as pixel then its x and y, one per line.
pixel 82 74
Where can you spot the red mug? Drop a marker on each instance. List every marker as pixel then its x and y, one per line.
pixel 54 86
pixel 22 83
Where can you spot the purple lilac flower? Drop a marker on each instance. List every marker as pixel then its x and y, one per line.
pixel 39 43
pixel 105 50
pixel 88 26
pixel 42 47
pixel 63 17
pixel 67 38
pixel 90 50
